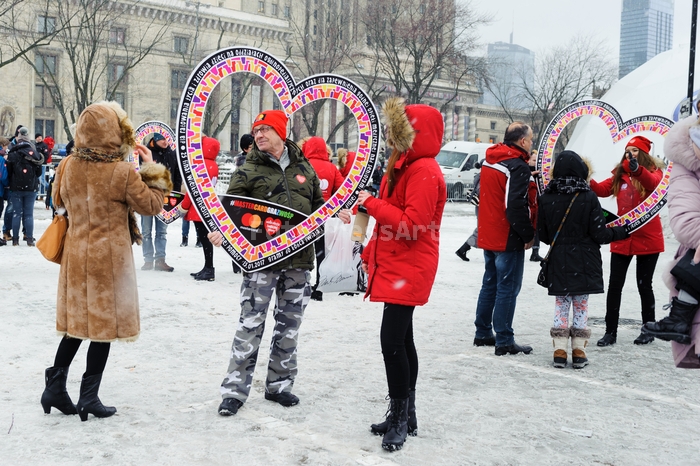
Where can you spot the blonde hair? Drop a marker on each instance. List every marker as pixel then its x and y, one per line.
pixel 342 157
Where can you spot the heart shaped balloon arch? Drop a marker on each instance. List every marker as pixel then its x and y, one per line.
pixel 293 96
pixel 619 130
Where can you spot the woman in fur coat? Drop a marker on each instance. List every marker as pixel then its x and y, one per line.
pixel 574 263
pixel 97 295
pixel 682 326
pixel 634 178
pixel 401 259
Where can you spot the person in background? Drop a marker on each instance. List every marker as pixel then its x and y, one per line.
pixel 575 264
pixel 246 144
pixel 24 169
pixel 210 149
pixel 349 160
pixel 50 143
pixel 401 259
pixel 41 147
pixel 318 153
pixel 634 178
pixel 473 197
pixel 377 175
pixel 535 255
pixel 276 171
pixel 342 156
pixel 507 215
pixel 4 178
pixel 164 155
pixel 97 293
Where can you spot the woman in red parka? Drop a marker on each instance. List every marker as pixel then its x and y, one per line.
pixel 634 178
pixel 210 149
pixel 402 256
pixel 316 150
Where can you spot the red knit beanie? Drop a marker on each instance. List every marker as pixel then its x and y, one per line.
pixel 277 119
pixel 641 143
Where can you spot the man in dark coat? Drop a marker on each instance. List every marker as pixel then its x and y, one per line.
pixel 164 155
pixel 24 169
pixel 507 205
pixel 276 171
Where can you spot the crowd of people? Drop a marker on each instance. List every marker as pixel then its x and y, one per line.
pixel 401 259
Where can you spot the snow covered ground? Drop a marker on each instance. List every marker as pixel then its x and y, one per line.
pixel 630 406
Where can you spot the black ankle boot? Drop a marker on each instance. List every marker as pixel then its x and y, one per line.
pixel 89 403
pixel 207 274
pixel 398 425
pixel 184 242
pixel 194 274
pixel 382 427
pixel 55 394
pixel 675 327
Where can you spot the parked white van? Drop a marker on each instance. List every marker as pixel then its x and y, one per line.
pixel 456 160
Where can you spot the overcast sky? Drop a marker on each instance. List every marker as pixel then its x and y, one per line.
pixel 539 24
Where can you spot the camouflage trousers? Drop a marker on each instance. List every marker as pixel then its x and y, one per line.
pixel 293 291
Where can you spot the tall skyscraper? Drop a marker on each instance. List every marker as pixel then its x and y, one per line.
pixel 646 29
pixel 510 66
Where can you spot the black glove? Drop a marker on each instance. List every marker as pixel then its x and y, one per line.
pixel 634 165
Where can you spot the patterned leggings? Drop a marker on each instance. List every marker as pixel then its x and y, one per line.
pixel 561 311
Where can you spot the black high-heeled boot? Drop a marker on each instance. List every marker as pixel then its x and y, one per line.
pixel 55 394
pixel 382 427
pixel 89 403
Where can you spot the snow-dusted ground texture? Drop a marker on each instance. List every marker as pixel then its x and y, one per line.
pixel 630 406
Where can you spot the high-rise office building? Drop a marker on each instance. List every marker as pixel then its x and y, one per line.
pixel 511 66
pixel 646 29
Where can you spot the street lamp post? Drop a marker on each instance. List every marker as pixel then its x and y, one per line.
pixel 686 107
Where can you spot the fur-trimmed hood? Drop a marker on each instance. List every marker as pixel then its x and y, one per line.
pixel 416 129
pixel 105 126
pixel 156 175
pixel 678 147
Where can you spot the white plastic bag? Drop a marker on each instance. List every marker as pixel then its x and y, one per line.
pixel 341 271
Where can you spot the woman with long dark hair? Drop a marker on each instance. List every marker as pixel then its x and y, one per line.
pixel 402 256
pixel 634 178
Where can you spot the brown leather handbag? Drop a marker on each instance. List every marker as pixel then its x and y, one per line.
pixel 51 242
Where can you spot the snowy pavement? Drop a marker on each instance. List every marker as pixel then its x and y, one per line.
pixel 629 406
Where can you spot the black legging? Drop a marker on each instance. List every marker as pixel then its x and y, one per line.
pixel 207 247
pixel 646 264
pixel 96 357
pixel 400 357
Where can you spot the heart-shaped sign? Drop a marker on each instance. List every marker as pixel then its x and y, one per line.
pixel 619 130
pixel 293 96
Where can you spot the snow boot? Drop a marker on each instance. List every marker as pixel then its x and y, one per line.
pixel 207 274
pixel 535 256
pixel 184 242
pixel 398 425
pixel 560 340
pixel 462 252
pixel 382 427
pixel 676 326
pixel 89 403
pixel 55 394
pixel 162 266
pixel 579 341
pixel 198 244
pixel 147 266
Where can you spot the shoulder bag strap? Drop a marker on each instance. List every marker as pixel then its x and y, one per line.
pixel 560 225
pixel 55 192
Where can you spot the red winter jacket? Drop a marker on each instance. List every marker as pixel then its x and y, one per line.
pixel 402 255
pixel 328 174
pixel 507 200
pixel 210 147
pixel 348 163
pixel 649 239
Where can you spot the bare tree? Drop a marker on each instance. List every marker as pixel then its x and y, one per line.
pixel 564 75
pixel 98 53
pixel 321 45
pixel 21 33
pixel 416 42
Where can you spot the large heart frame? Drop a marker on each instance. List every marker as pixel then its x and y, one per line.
pixel 293 96
pixel 619 130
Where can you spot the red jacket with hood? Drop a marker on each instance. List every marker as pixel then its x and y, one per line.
pixel 402 256
pixel 648 239
pixel 507 200
pixel 210 149
pixel 328 174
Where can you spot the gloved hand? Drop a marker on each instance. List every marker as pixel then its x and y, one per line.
pixel 631 165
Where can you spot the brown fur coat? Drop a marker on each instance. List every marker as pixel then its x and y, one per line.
pixel 97 295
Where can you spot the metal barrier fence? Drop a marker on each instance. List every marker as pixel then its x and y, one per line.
pixel 457 192
pixel 225 172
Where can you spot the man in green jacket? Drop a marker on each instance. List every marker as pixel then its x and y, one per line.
pixel 275 170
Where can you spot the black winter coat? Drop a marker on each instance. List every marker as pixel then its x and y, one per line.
pixel 575 264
